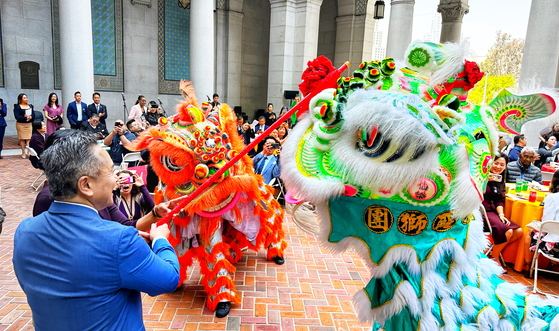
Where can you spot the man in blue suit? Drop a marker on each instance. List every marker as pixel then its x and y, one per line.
pixel 81 272
pixel 266 163
pixel 77 111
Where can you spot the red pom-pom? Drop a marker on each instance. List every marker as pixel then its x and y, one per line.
pixel 473 74
pixel 316 70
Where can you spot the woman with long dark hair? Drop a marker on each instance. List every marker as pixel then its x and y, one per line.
pixel 53 113
pixel 132 197
pixel 504 231
pixel 23 112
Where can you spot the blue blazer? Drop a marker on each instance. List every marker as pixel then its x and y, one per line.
pixel 81 272
pixel 19 114
pixel 3 113
pixel 273 169
pixel 72 112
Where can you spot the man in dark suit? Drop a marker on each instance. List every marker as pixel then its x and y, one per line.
pixel 97 108
pixel 81 272
pixel 94 126
pixel 77 111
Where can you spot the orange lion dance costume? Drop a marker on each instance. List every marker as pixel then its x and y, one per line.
pixel 235 212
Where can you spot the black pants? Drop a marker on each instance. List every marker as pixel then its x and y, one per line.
pixel 2 132
pixel 76 127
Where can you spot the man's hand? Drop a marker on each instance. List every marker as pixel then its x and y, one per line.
pixel 162 230
pixel 144 235
pixel 278 152
pixel 164 208
pixel 101 115
pixel 536 157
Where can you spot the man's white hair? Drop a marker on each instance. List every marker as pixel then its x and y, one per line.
pixel 528 149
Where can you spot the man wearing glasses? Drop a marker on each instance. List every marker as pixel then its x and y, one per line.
pixel 117 140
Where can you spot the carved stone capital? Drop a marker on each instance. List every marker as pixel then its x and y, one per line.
pixel 222 4
pixel 453 10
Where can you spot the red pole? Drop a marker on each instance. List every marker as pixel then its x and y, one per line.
pixel 329 81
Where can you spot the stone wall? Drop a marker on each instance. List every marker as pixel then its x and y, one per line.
pixel 26 36
pixel 327 29
pixel 255 50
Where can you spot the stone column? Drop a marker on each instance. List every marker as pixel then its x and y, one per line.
pixel 306 37
pixel 541 47
pixel 229 32
pixel 76 50
pixel 452 12
pixel 293 42
pixel 399 28
pixel 355 28
pixel 202 45
pixel 282 36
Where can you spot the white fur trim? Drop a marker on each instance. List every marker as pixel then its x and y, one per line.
pixel 308 188
pixel 404 296
pixel 463 195
pixel 451 314
pixel 454 54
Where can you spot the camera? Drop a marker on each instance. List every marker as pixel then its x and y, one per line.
pixel 275 146
pixel 129 180
pixel 118 124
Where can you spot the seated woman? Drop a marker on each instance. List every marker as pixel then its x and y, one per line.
pixel 39 137
pixel 131 196
pixel 504 231
pixel 545 152
pixel 37 142
pixel 550 213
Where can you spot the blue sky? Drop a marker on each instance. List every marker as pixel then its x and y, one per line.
pixel 480 24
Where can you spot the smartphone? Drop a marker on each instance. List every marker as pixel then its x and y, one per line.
pixel 495 178
pixel 129 180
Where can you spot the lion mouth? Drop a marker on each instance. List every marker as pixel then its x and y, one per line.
pixel 223 207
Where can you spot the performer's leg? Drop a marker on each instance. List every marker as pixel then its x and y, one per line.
pixel 271 217
pixel 217 274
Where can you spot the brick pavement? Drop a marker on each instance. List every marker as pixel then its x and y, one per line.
pixel 312 291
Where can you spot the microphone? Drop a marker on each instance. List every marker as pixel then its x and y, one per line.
pixel 160 103
pixel 209 100
pixel 123 98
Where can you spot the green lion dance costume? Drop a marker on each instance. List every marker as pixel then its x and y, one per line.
pixel 396 161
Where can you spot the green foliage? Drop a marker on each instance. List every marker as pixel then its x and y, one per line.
pixel 504 57
pixel 494 85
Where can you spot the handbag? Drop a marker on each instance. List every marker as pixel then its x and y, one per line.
pixel 57 119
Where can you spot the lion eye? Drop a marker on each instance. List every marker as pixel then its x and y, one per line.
pixel 168 163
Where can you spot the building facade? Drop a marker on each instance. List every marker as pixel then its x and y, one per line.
pixel 248 51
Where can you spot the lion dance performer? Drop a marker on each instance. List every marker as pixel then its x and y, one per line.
pixel 237 211
pixel 396 161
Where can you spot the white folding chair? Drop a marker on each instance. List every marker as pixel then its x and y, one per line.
pixel 546 227
pixel 129 158
pixel 489 233
pixel 277 183
pixel 33 153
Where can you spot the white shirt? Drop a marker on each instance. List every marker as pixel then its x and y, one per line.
pixel 79 108
pixel 551 213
